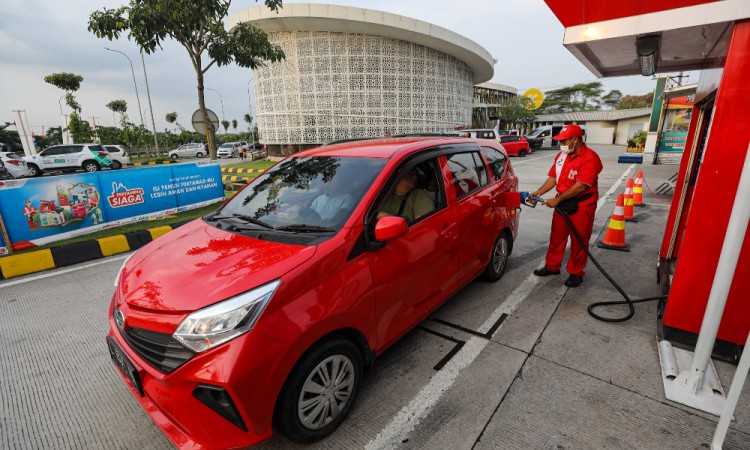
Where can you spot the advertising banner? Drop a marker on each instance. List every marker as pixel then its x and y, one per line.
pixel 4 244
pixel 41 210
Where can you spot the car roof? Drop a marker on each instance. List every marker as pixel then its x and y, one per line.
pixel 381 147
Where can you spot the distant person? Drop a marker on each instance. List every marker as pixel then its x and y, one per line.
pixel 407 201
pixel 575 174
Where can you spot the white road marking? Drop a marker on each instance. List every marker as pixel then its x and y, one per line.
pixel 60 272
pixel 531 159
pixel 420 406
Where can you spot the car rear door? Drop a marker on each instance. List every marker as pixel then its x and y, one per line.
pixel 415 273
pixel 473 197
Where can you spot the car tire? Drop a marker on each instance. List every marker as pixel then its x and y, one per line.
pixel 34 170
pixel 522 152
pixel 90 166
pixel 337 354
pixel 116 165
pixel 199 155
pixel 501 249
pixel 173 156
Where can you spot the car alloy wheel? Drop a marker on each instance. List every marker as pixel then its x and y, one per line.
pixel 173 156
pixel 498 257
pixel 34 170
pixel 90 166
pixel 522 153
pixel 199 155
pixel 116 165
pixel 320 391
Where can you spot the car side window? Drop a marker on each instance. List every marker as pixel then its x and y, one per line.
pixel 497 161
pixel 468 172
pixel 73 149
pixel 416 193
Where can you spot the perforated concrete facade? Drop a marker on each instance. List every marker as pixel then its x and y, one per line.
pixel 343 85
pixel 354 72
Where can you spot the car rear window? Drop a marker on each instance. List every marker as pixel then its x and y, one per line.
pixel 97 148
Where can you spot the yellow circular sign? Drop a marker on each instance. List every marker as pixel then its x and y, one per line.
pixel 536 97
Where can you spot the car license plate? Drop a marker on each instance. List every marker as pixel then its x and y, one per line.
pixel 123 363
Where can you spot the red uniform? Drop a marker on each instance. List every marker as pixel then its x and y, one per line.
pixel 568 169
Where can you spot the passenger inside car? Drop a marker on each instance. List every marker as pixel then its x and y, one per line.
pixel 408 199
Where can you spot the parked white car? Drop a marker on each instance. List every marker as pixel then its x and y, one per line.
pixel 15 165
pixel 189 150
pixel 230 149
pixel 67 158
pixel 119 156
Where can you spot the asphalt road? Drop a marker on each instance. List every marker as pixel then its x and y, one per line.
pixel 439 387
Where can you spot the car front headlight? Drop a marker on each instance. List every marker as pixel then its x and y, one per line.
pixel 219 323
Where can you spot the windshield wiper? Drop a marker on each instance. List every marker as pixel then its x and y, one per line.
pixel 301 228
pixel 215 216
pixel 252 220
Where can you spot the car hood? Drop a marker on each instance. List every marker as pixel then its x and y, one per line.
pixel 198 265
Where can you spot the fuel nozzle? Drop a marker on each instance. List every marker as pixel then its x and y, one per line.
pixel 529 200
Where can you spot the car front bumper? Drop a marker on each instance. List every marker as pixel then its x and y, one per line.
pixel 172 400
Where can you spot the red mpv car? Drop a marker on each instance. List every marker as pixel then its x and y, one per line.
pixel 268 311
pixel 515 145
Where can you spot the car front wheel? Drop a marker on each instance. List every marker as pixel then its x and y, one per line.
pixel 116 165
pixel 320 392
pixel 199 155
pixel 498 257
pixel 173 156
pixel 91 166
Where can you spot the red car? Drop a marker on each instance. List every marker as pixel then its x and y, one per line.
pixel 268 311
pixel 515 145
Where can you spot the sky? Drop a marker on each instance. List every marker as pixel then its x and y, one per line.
pixel 41 37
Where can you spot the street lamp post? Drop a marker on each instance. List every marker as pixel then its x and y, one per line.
pixel 134 83
pixel 222 102
pixel 148 94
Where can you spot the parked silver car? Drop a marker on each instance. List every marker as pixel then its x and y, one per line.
pixel 230 149
pixel 197 150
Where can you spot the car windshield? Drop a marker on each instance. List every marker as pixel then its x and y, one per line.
pixel 226 146
pixel 305 194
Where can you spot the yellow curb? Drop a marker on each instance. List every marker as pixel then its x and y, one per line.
pixel 158 231
pixel 17 265
pixel 113 245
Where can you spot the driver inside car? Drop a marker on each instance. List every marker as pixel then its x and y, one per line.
pixel 407 201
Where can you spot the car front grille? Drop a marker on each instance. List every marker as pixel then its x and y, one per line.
pixel 160 350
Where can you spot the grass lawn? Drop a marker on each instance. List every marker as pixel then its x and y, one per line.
pixel 261 164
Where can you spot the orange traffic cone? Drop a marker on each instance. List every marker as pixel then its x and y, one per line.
pixel 629 213
pixel 638 190
pixel 614 239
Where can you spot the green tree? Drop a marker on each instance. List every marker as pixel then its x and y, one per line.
pixel 514 111
pixel 234 125
pixel 612 99
pixel 636 101
pixel 196 25
pixel 578 97
pixel 225 124
pixel 54 136
pixel 249 120
pixel 70 82
pixel 118 106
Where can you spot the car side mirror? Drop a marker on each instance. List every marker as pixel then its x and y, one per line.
pixel 390 227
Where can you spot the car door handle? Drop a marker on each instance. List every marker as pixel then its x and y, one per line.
pixel 446 233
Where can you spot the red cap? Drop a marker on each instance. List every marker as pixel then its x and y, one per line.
pixel 569 131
